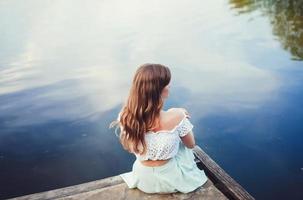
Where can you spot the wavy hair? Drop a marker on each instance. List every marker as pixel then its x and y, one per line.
pixel 142 108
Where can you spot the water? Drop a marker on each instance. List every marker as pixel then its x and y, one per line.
pixel 66 67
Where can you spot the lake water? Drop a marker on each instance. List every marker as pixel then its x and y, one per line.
pixel 66 67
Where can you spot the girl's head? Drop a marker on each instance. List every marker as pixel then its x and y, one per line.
pixel 150 86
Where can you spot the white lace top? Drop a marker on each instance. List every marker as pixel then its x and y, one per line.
pixel 164 144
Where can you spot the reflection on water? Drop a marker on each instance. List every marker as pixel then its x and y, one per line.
pixel 65 71
pixel 286 17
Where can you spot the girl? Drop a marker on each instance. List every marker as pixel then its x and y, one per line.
pixel 162 141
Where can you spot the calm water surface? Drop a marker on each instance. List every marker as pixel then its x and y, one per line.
pixel 66 68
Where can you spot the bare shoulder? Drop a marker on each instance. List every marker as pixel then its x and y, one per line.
pixel 175 115
pixel 177 111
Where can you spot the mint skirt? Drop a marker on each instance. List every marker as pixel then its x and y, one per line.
pixel 179 174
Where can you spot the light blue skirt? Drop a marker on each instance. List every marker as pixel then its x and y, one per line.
pixel 179 174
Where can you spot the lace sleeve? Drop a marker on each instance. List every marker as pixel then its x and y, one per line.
pixel 185 127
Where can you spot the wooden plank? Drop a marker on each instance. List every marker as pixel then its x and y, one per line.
pixel 221 179
pixel 74 189
pixel 114 188
pixel 122 192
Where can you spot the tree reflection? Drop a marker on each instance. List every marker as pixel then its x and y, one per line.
pixel 286 17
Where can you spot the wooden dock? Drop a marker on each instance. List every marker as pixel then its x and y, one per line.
pixel 220 186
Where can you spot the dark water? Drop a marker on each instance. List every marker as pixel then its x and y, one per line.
pixel 66 67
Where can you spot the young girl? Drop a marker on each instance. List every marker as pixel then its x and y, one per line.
pixel 162 141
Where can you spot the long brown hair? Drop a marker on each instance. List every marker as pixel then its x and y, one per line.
pixel 142 108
